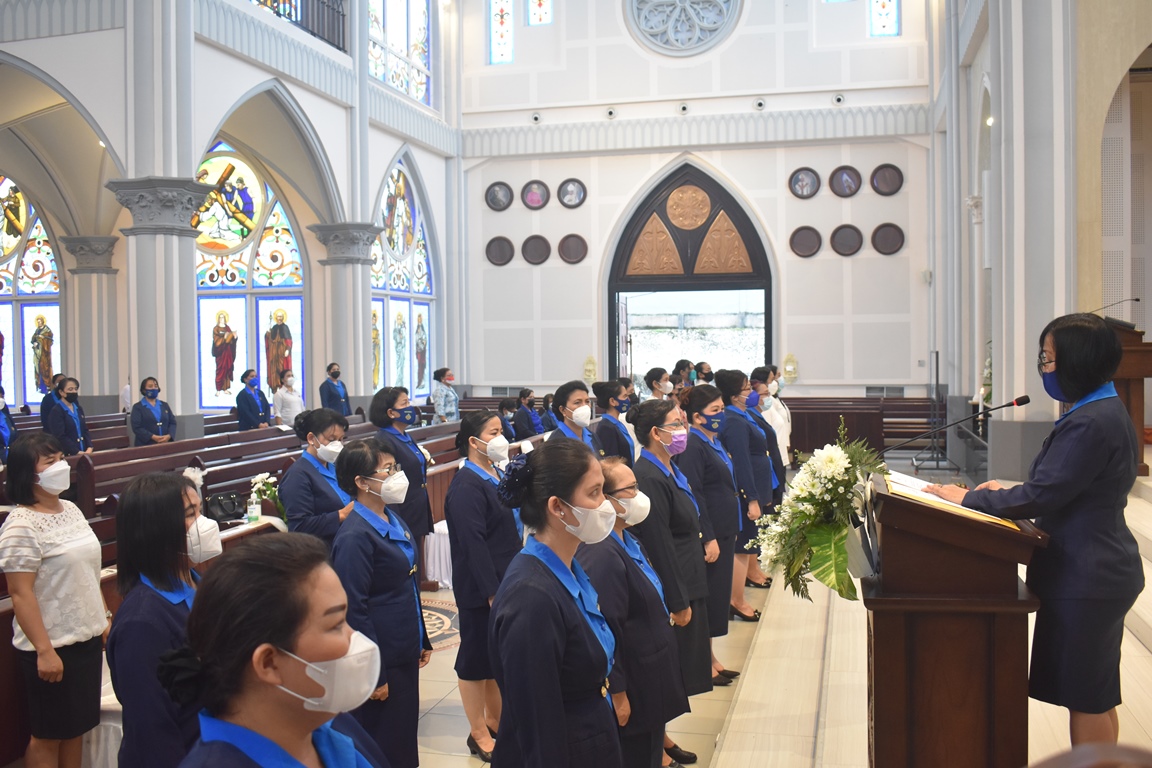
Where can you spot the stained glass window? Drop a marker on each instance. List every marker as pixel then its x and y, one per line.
pixel 884 18
pixel 250 276
pixel 38 273
pixel 501 20
pixel 399 47
pixel 539 12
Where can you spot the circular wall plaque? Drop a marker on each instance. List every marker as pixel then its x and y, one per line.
pixel 681 27
pixel 536 249
pixel 571 193
pixel 499 251
pixel 688 207
pixel 887 239
pixel 805 241
pixel 846 240
pixel 845 181
pixel 804 183
pixel 535 195
pixel 572 249
pixel 498 196
pixel 887 179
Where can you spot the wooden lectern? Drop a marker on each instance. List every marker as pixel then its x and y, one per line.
pixel 947 636
pixel 1129 379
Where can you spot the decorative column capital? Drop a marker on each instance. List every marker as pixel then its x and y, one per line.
pixel 160 205
pixel 347 243
pixel 93 254
pixel 975 206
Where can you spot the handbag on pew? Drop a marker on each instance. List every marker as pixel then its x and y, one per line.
pixel 222 507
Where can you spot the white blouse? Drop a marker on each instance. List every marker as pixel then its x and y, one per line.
pixel 63 552
pixel 288 405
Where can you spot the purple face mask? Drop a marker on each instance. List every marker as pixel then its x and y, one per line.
pixel 679 442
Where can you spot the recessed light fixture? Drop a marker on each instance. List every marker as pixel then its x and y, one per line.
pixel 101 144
pixel 989 121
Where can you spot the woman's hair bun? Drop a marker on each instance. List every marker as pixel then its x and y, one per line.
pixel 631 415
pixel 517 481
pixel 300 425
pixel 181 674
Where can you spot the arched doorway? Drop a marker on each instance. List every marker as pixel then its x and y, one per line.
pixel 691 263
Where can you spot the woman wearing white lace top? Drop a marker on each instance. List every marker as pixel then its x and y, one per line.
pixel 287 400
pixel 51 559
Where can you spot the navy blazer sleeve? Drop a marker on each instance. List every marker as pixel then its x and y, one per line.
pixel 249 414
pixel 656 533
pixel 523 425
pixel 467 518
pixel 693 462
pixel 352 561
pixel 734 436
pixel 61 426
pixel 506 430
pixel 778 467
pixel 330 397
pixel 143 424
pixel 297 493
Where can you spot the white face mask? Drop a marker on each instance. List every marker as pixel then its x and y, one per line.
pixel 635 509
pixel 495 449
pixel 773 387
pixel 56 479
pixel 3 404
pixel 288 382
pixel 328 453
pixel 347 681
pixel 204 540
pixel 394 489
pixel 582 416
pixel 595 524
pixel 666 387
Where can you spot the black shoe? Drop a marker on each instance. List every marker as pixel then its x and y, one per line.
pixel 474 749
pixel 728 673
pixel 680 755
pixel 720 680
pixel 491 732
pixel 756 585
pixel 735 614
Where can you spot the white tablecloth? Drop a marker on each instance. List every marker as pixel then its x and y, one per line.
pixel 439 553
pixel 102 743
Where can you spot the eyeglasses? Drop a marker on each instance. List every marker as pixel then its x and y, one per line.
pixel 672 425
pixel 1042 361
pixel 634 488
pixel 386 471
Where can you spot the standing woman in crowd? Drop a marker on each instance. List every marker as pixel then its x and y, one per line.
pixel 484 538
pixel 547 418
pixel 160 536
pixel 779 416
pixel 647 691
pixel 375 557
pixel 527 421
pixel 685 371
pixel 393 414
pixel 7 429
pixel 573 410
pixel 709 470
pixel 673 536
pixel 152 420
pixel 333 393
pixel 1090 574
pixel 50 401
pixel 657 382
pixel 747 445
pixel 445 401
pixel 313 500
pixel 51 560
pixel 287 401
pixel 252 409
pixel 66 421
pixel 550 645
pixel 757 406
pixel 273 662
pixel 611 431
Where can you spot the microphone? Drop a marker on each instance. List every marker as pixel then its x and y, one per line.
pixel 1022 400
pixel 1113 304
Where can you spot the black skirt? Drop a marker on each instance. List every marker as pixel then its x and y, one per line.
pixel 720 587
pixel 695 650
pixel 472 662
pixel 71 707
pixel 1076 653
pixel 747 533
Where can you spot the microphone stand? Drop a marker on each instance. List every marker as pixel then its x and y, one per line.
pixel 935 448
pixel 1018 401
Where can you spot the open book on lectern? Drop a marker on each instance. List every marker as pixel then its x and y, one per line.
pixel 913 488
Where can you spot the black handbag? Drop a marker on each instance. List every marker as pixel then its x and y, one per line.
pixel 226 506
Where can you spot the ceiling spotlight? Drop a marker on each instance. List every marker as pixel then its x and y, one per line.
pixel 101 144
pixel 989 121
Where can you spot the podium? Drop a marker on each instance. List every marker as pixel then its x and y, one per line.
pixel 947 635
pixel 1135 366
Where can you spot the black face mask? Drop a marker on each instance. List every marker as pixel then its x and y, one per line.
pixel 335 374
pixel 72 397
pixel 708 377
pixel 531 402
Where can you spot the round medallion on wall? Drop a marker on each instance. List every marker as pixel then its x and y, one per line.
pixel 844 181
pixel 498 196
pixel 887 179
pixel 572 193
pixel 805 242
pixel 536 249
pixel 681 27
pixel 688 207
pixel 572 249
pixel 887 239
pixel 846 240
pixel 499 251
pixel 535 195
pixel 804 183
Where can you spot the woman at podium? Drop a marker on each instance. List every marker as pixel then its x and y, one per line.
pixel 1089 575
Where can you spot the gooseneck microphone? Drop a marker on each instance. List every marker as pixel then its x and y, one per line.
pixel 1113 304
pixel 1022 400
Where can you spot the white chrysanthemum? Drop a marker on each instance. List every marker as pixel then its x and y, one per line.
pixel 830 462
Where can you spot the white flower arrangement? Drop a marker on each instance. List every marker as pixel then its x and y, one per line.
pixel 264 487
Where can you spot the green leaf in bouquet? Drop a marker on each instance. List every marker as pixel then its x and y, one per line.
pixel 829 561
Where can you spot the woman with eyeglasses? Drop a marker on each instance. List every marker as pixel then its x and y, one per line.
pixel 673 536
pixel 1090 574
pixel 375 557
pixel 647 691
pixel 313 500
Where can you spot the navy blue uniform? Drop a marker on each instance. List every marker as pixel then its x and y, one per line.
pixel 63 426
pixel 586 435
pixel 312 501
pixel 778 465
pixel 506 429
pixel 747 444
pixel 548 420
pixel 7 433
pixel 49 402
pixel 416 509
pixel 252 409
pixel 340 744
pixel 647 664
pixel 145 424
pixel 334 395
pixel 614 437
pixel 527 423
pixel 376 563
pixel 551 669
pixel 157 731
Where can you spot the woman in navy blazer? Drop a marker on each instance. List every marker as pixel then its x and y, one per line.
pixel 159 516
pixel 527 422
pixel 484 539
pixel 66 421
pixel 152 421
pixel 546 416
pixel 252 409
pixel 612 431
pixel 1089 575
pixel 647 691
pixel 375 556
pixel 550 645
pixel 265 614
pixel 394 414
pixel 333 394
pixel 573 410
pixel 313 501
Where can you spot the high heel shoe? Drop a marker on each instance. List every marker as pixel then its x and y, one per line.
pixel 735 614
pixel 757 585
pixel 728 673
pixel 474 749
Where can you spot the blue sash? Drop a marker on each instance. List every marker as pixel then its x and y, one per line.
pixel 624 431
pixel 411 446
pixel 1106 390
pixel 676 475
pixel 156 413
pixel 329 474
pixel 335 749
pixel 632 548
pixel 585 435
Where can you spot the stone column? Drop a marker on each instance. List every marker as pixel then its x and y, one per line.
pixel 348 278
pixel 161 301
pixel 92 299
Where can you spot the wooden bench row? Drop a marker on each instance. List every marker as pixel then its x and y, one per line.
pixel 881 422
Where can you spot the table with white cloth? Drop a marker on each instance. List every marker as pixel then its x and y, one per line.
pixel 438 550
